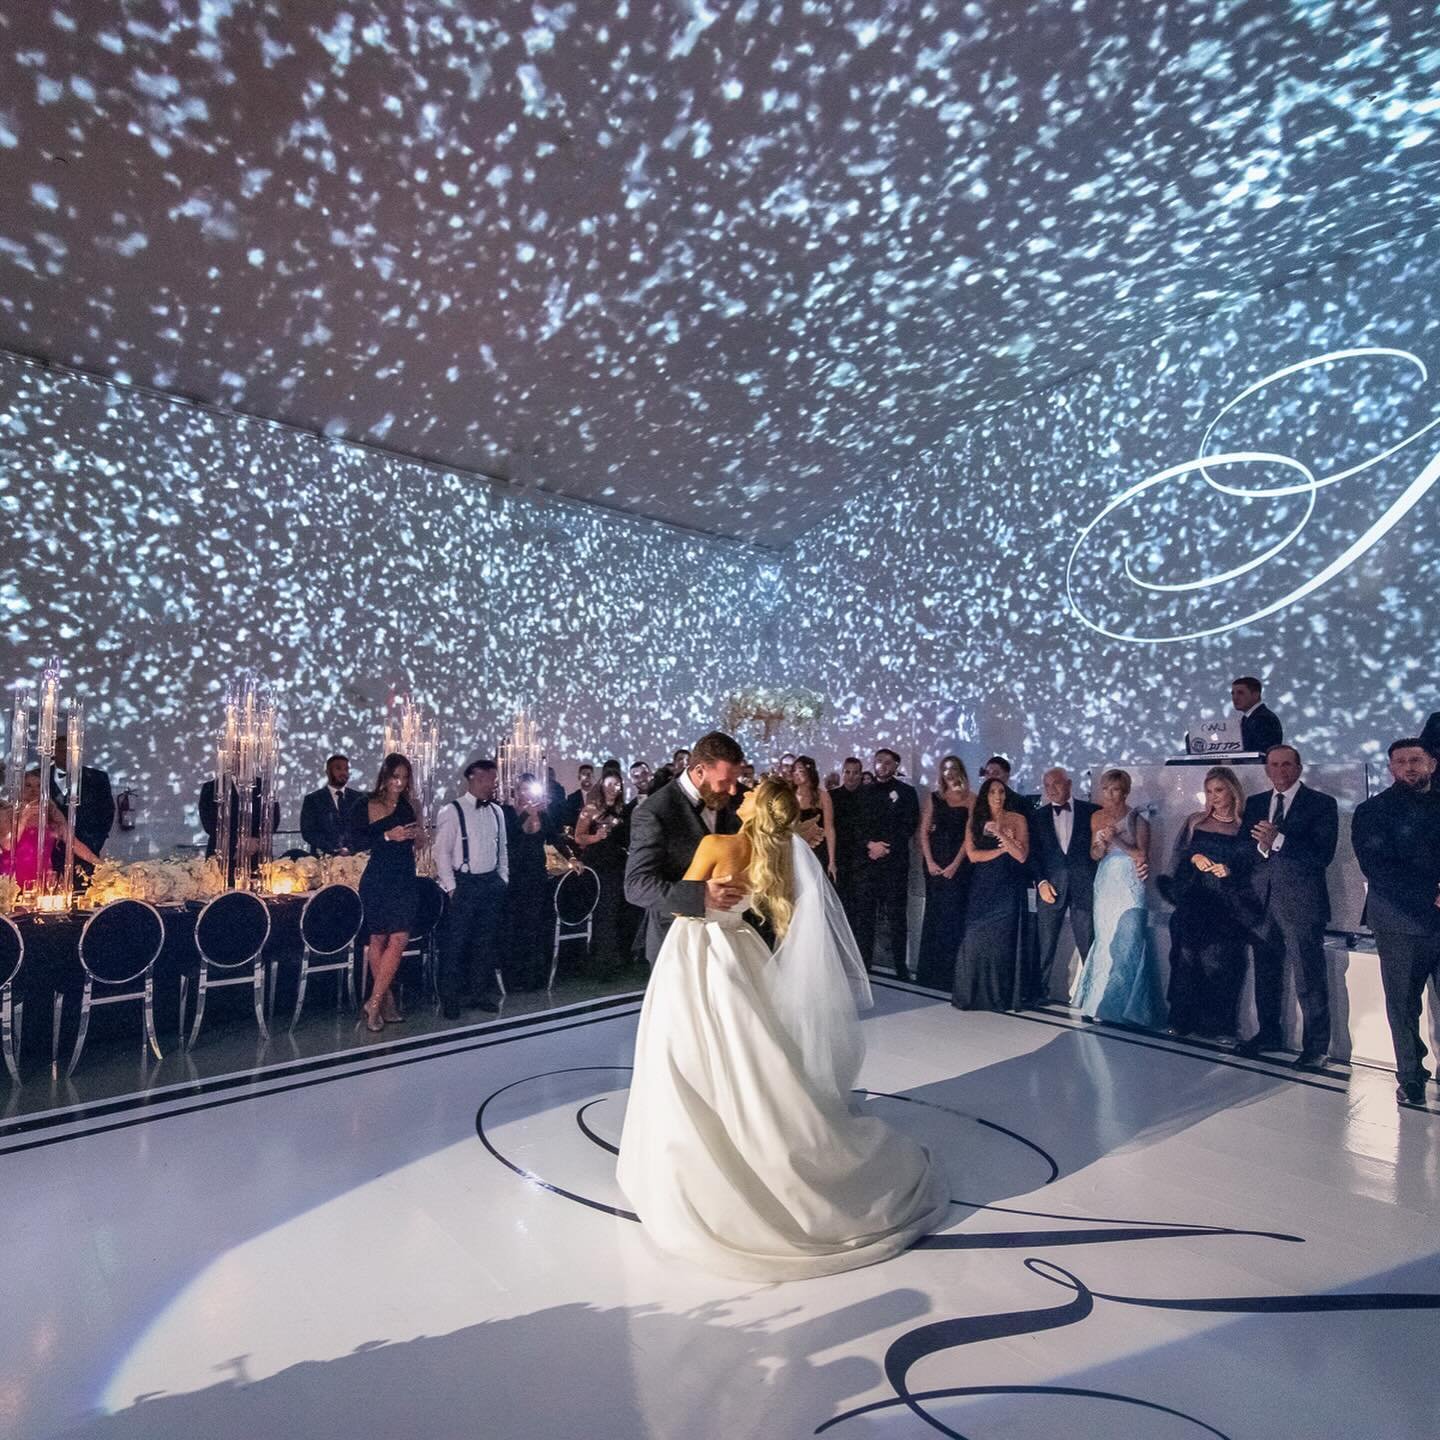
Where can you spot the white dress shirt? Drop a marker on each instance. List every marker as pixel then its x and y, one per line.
pixel 485 831
pixel 708 817
pixel 1278 843
pixel 1064 826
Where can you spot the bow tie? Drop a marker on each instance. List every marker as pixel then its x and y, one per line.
pixel 1061 809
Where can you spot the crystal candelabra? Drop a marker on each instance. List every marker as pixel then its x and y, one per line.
pixel 521 754
pixel 247 753
pixel 416 736
pixel 45 890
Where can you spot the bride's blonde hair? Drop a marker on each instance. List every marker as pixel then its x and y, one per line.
pixel 772 866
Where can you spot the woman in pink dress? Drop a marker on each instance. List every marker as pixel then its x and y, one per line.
pixel 22 860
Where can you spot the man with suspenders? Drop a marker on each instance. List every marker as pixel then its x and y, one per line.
pixel 473 868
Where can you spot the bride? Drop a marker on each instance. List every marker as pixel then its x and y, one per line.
pixel 741 1150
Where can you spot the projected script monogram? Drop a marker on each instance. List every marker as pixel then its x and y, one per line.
pixel 1128 527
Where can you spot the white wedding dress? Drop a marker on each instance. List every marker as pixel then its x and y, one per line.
pixel 742 1151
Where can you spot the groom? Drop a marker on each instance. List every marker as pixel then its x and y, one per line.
pixel 666 831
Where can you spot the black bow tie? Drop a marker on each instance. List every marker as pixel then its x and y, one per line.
pixel 1057 809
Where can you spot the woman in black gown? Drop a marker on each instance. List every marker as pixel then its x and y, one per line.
pixel 997 845
pixel 814 807
pixel 603 838
pixel 947 875
pixel 529 921
pixel 388 888
pixel 1215 910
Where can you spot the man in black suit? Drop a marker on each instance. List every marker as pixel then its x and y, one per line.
pixel 889 820
pixel 95 813
pixel 666 831
pixel 1064 875
pixel 1396 835
pixel 1295 829
pixel 332 818
pixel 1260 727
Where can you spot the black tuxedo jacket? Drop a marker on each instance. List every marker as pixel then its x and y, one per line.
pixel 1072 871
pixel 95 814
pixel 665 832
pixel 1291 883
pixel 326 828
pixel 889 812
pixel 1396 835
pixel 1260 729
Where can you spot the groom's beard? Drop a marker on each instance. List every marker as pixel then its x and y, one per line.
pixel 712 799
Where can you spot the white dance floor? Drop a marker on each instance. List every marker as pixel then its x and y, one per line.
pixel 426 1240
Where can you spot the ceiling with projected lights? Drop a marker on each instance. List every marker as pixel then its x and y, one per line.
pixel 725 265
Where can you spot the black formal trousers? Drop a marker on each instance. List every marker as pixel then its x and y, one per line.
pixel 472 945
pixel 882 907
pixel 1407 961
pixel 1295 943
pixel 1049 919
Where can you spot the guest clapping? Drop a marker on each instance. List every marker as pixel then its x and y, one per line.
pixel 389 889
pixel 1294 829
pixel 1215 912
pixel 943 821
pixel 997 846
pixel 1120 979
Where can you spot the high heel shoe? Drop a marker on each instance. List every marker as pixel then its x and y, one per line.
pixel 390 1012
pixel 371 1019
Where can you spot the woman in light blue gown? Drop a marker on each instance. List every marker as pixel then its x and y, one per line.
pixel 1120 979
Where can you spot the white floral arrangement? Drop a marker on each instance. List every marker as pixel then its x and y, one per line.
pixel 343 869
pixel 161 882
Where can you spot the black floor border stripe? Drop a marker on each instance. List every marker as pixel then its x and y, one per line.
pixel 183 1090
pixel 220 1102
pixel 1059 1020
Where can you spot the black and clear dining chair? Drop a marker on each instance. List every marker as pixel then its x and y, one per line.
pixel 329 923
pixel 119 946
pixel 12 1011
pixel 421 945
pixel 230 935
pixel 577 893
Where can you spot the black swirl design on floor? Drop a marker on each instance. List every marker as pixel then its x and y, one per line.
pixel 957 1332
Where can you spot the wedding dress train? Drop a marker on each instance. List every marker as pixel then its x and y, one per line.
pixel 741 1151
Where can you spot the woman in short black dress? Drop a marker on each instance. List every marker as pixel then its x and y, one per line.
pixel 389 889
pixel 1215 911
pixel 997 845
pixel 947 875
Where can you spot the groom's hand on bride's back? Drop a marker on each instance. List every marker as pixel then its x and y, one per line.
pixel 722 892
